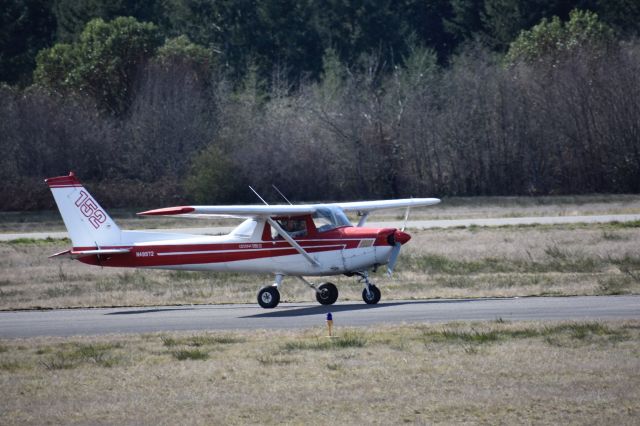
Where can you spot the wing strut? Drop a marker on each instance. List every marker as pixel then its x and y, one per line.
pixel 282 195
pixel 291 241
pixel 258 195
pixel 363 218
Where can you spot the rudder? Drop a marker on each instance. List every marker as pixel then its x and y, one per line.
pixel 87 222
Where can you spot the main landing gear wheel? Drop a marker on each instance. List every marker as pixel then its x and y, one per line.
pixel 327 294
pixel 372 296
pixel 268 297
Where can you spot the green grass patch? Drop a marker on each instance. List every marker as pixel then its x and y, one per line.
pixel 39 241
pixel 190 354
pixel 10 366
pixel 461 336
pixel 609 235
pixel 556 259
pixel 201 340
pixel 545 227
pixel 10 293
pixel 624 225
pixel 554 335
pixel 73 355
pixel 274 360
pixel 616 285
pixel 350 339
pixel 169 341
pixel 579 331
pixel 437 264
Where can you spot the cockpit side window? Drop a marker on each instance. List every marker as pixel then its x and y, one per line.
pixel 326 219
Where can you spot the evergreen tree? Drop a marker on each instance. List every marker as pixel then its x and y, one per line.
pixel 553 39
pixel 103 63
pixel 26 26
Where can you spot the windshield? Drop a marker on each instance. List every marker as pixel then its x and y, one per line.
pixel 327 218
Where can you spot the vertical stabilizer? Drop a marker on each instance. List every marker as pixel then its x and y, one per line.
pixel 87 223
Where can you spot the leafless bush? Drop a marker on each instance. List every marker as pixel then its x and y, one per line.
pixel 473 128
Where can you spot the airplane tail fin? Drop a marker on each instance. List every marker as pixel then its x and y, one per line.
pixel 87 223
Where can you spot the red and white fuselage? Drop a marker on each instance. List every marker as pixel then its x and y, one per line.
pixel 300 240
pixel 338 251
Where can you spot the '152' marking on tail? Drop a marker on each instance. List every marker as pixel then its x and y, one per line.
pixel 90 209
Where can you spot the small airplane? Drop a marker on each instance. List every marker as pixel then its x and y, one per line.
pixel 283 240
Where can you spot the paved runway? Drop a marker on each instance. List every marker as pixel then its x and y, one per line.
pixel 69 322
pixel 412 224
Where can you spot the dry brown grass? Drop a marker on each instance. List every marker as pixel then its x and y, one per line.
pixel 450 208
pixel 475 262
pixel 494 207
pixel 50 221
pixel 488 373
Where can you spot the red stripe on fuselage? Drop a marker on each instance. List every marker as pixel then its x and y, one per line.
pixel 165 255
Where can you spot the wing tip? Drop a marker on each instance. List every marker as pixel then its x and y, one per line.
pixel 168 211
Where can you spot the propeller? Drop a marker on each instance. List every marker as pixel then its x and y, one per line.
pixel 396 245
pixel 395 251
pixel 395 239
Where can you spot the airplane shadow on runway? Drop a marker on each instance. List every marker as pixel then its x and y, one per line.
pixel 148 311
pixel 298 311
pixel 323 309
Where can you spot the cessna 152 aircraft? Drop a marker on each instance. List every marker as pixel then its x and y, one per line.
pixel 283 240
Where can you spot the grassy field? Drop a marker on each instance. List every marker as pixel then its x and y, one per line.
pixel 471 262
pixel 481 373
pixel 450 208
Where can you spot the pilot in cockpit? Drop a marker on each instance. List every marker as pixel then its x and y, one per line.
pixel 294 227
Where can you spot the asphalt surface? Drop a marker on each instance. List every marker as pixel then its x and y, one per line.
pixel 412 224
pixel 70 322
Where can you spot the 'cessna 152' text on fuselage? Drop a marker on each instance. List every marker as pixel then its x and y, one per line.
pixel 283 240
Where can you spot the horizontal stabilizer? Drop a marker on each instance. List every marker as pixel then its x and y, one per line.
pixel 83 253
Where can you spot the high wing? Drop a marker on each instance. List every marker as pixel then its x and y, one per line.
pixel 370 206
pixel 247 211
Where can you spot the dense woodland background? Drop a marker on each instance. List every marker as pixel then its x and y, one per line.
pixel 162 102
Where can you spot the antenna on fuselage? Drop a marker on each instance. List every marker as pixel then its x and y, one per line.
pixel 258 195
pixel 282 195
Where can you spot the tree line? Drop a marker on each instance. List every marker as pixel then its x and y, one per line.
pixel 294 34
pixel 149 117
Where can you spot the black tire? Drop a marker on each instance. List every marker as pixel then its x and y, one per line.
pixel 268 297
pixel 373 297
pixel 327 294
